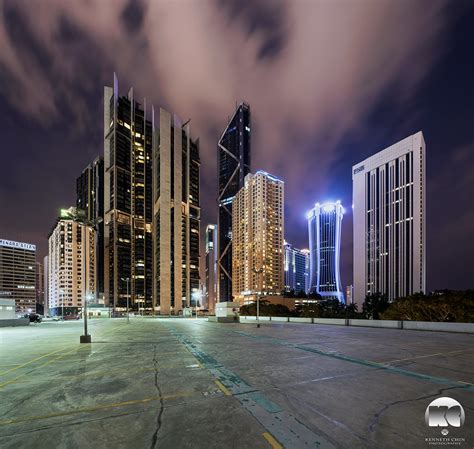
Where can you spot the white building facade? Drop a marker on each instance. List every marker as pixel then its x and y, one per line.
pixel 389 213
pixel 71 266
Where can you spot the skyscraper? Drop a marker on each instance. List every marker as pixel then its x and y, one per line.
pixel 296 269
pixel 90 198
pixel 71 266
pixel 234 165
pixel 324 229
pixel 176 215
pixel 17 274
pixel 151 207
pixel 389 221
pixel 258 227
pixel 128 239
pixel 211 266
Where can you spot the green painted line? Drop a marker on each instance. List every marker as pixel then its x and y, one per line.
pixel 363 362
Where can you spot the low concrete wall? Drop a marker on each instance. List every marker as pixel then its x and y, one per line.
pixel 336 321
pixel 443 327
pixel 280 318
pixel 15 322
pixel 386 324
pixel 392 324
pixel 300 320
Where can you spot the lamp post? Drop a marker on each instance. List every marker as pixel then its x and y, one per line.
pixel 61 291
pixel 196 296
pixel 127 280
pixel 79 216
pixel 257 272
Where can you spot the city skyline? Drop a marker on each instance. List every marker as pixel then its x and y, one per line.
pixel 431 100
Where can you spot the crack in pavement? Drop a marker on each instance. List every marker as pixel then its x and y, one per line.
pixel 160 395
pixel 379 414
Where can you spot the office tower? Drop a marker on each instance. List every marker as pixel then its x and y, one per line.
pixel 211 267
pixel 71 266
pixel 128 241
pixel 176 215
pixel 296 268
pixel 389 211
pixel 324 229
pixel 257 239
pixel 17 274
pixel 39 283
pixel 90 198
pixel 234 165
pixel 46 285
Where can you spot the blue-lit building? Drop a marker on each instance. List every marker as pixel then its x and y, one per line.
pixel 324 228
pixel 296 269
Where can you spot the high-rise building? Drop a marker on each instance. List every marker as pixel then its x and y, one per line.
pixel 324 229
pixel 176 215
pixel 17 274
pixel 46 285
pixel 128 208
pixel 71 266
pixel 39 283
pixel 257 236
pixel 296 269
pixel 389 212
pixel 211 267
pixel 90 198
pixel 233 166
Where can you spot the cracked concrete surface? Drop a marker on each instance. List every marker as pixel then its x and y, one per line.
pixel 151 384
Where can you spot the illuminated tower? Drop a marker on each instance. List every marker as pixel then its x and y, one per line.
pixel 324 228
pixel 234 164
pixel 258 226
pixel 211 266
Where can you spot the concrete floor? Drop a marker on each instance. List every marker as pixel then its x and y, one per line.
pixel 186 383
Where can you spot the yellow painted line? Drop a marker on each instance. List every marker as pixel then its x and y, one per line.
pixel 272 441
pixel 31 361
pixel 92 409
pixel 467 383
pixel 223 388
pixel 41 366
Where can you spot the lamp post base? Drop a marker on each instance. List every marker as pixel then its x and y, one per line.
pixel 85 339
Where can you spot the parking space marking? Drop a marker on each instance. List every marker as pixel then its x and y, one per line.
pixel 222 388
pixel 31 361
pixel 272 441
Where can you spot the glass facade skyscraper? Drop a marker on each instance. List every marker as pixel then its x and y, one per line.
pixel 324 228
pixel 233 165
pixel 296 269
pixel 211 266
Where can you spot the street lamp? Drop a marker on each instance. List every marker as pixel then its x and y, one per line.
pixel 196 296
pixel 61 292
pixel 127 280
pixel 79 216
pixel 86 338
pixel 257 272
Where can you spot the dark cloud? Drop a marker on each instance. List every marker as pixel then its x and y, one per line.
pixel 328 82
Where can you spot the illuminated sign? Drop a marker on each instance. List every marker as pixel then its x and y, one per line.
pixel 358 169
pixel 19 245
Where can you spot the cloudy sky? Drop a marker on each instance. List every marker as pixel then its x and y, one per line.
pixel 329 82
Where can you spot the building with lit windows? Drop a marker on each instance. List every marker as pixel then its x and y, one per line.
pixel 90 198
pixel 233 165
pixel 324 229
pixel 176 215
pixel 296 269
pixel 151 207
pixel 389 212
pixel 39 283
pixel 71 266
pixel 17 274
pixel 257 236
pixel 211 267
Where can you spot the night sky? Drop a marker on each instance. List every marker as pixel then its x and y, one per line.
pixel 329 84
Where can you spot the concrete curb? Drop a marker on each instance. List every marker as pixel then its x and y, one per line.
pixel 385 324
